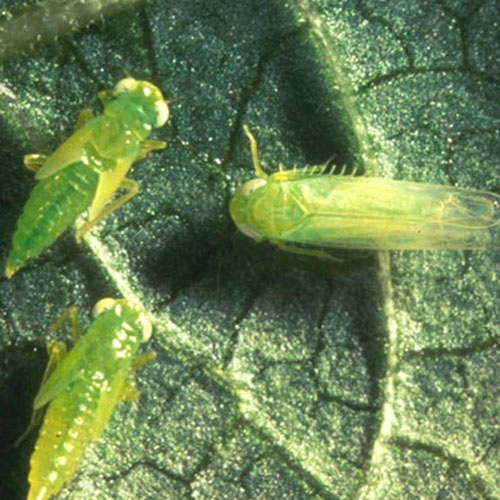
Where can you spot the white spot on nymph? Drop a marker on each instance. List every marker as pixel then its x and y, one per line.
pixel 52 476
pixel 60 461
pixel 95 386
pixel 126 326
pixel 118 309
pixel 42 492
pixel 88 395
pixel 68 447
pixel 83 408
pixel 73 433
pixel 147 91
pixel 116 344
pixel 121 334
pixel 78 421
pixel 98 376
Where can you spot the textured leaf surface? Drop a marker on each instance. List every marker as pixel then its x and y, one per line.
pixel 277 376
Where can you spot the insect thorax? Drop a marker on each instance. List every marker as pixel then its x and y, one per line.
pixel 275 210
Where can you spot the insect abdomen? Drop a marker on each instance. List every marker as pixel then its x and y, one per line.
pixel 53 205
pixel 63 438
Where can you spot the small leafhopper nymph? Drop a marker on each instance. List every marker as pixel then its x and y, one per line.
pixel 303 207
pixel 87 169
pixel 82 387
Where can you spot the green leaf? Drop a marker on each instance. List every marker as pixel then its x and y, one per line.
pixel 277 376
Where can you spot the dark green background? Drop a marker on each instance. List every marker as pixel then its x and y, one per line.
pixel 277 376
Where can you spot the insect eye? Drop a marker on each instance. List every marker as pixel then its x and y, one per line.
pixel 103 305
pixel 249 187
pixel 162 113
pixel 126 85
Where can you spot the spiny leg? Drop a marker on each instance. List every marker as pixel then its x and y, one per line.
pixel 147 146
pixel 131 186
pixel 255 155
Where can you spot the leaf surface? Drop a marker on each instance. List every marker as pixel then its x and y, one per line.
pixel 277 376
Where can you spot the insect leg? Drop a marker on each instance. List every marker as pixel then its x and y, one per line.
pixel 130 391
pixel 105 96
pixel 142 359
pixel 148 146
pixel 84 116
pixel 34 161
pixel 255 155
pixel 128 184
pixel 311 252
pixel 71 313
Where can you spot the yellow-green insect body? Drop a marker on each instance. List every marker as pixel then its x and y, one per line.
pixel 301 207
pixel 87 169
pixel 82 392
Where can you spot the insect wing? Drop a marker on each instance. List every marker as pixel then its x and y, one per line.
pixel 69 152
pixel 376 213
pixel 108 400
pixel 65 373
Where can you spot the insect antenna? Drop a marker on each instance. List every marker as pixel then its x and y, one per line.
pixel 126 72
pixel 173 99
pixel 255 154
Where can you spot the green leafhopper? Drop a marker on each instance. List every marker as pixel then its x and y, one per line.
pixel 82 388
pixel 88 168
pixel 303 207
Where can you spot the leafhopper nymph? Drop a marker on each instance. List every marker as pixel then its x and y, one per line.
pixel 81 388
pixel 88 168
pixel 302 207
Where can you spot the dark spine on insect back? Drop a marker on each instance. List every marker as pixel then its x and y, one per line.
pixel 53 205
